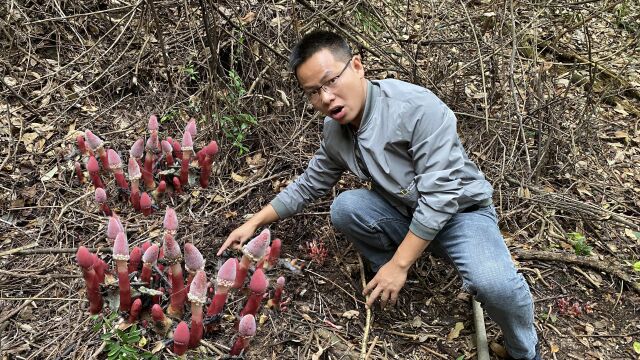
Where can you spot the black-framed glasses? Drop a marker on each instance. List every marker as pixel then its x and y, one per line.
pixel 328 86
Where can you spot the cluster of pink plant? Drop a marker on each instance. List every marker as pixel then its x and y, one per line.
pixel 317 251
pixel 153 162
pixel 151 264
pixel 573 309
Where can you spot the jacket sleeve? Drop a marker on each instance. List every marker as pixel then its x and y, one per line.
pixel 319 177
pixel 438 159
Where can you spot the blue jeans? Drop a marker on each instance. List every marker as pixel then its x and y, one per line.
pixel 472 242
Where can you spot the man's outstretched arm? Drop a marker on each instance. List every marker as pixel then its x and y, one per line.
pixel 238 236
pixel 391 277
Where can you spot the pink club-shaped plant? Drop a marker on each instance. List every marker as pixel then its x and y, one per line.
pixel 121 257
pixel 178 295
pixel 258 286
pixel 197 297
pixel 193 261
pixel 253 251
pixel 246 331
pixel 224 281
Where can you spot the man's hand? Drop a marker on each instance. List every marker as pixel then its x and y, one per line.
pixel 238 237
pixel 386 284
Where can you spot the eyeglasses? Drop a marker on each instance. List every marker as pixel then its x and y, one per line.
pixel 329 86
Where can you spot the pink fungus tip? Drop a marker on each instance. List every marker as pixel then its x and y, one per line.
pixel 257 247
pixel 101 196
pixel 227 272
pixel 193 259
pixel 198 288
pixel 94 141
pixel 145 201
pixel 247 326
pixel 84 258
pixel 259 282
pixel 133 169
pixel 114 159
pixel 170 219
pixel 212 148
pixel 166 147
pixel 121 247
pixel 171 248
pixel 280 281
pixel 92 164
pixel 114 227
pixel 191 127
pixel 156 313
pixel 153 123
pixel 137 150
pixel 187 141
pixel 181 335
pixel 150 256
pixel 162 186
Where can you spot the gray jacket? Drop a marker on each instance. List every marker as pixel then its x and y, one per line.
pixel 408 147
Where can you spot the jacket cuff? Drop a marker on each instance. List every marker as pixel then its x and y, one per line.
pixel 422 231
pixel 280 208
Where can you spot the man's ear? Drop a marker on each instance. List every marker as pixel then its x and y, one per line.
pixel 357 65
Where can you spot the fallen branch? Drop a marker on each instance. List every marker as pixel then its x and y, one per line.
pixel 604 266
pixel 367 326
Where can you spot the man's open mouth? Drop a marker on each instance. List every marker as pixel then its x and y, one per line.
pixel 335 110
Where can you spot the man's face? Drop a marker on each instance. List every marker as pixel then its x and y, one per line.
pixel 343 92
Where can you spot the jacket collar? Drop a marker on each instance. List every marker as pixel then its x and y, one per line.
pixel 369 105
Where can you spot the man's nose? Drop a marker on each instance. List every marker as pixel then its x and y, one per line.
pixel 326 96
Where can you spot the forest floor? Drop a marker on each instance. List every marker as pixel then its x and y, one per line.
pixel 547 96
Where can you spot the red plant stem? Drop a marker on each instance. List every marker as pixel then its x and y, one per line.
pixel 205 172
pixel 135 258
pixel 93 290
pixel 136 308
pixel 196 324
pixel 104 208
pixel 96 180
pixel 82 146
pixel 253 303
pixel 177 149
pixel 178 292
pixel 135 195
pixel 145 277
pixel 124 285
pixel 241 272
pixel 103 157
pixel 147 171
pixel 169 159
pixel 120 180
pixel 219 299
pixel 79 172
pixel 184 167
pixel 147 211
pixel 240 344
pixel 99 266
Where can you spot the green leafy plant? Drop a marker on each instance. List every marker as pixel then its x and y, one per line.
pixel 235 129
pixel 237 86
pixel 191 73
pixel 579 243
pixel 169 115
pixel 636 266
pixel 369 23
pixel 121 344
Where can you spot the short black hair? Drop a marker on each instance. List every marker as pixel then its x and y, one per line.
pixel 315 41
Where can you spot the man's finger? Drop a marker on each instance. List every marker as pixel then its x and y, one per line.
pixel 374 295
pixel 224 246
pixel 370 286
pixel 383 299
pixel 393 300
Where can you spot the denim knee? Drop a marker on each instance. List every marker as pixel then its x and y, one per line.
pixel 496 289
pixel 344 208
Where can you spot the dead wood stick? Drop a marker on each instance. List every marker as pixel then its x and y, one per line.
pixel 604 266
pixel 481 332
pixel 163 48
pixel 367 327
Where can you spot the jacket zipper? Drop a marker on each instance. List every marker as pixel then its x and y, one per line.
pixel 358 154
